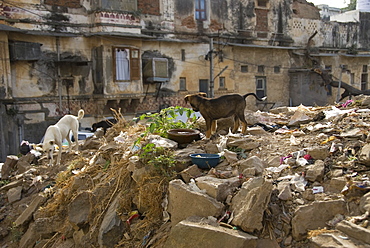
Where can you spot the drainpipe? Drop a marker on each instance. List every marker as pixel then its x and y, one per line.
pixel 59 82
pixel 211 83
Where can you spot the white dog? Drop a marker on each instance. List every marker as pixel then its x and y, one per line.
pixel 55 134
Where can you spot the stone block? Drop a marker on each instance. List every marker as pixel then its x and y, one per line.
pixel 218 188
pixel 197 234
pixel 250 203
pixel 183 202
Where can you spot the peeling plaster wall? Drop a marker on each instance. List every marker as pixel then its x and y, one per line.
pixel 39 78
pixel 5 76
pixel 276 83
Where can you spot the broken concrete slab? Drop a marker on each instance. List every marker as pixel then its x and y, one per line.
pixel 333 239
pixel 336 184
pixel 250 203
pixel 354 231
pixel 26 215
pixel 218 188
pixel 11 185
pixel 318 152
pixel 190 172
pixel 364 155
pixel 14 194
pixel 183 202
pixel 245 143
pixel 285 192
pixel 252 162
pixel 256 131
pixel 365 203
pixel 197 233
pixel 314 216
pixel 112 227
pixel 8 166
pixel 79 209
pixel 315 172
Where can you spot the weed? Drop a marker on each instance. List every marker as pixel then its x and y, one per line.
pixel 4 182
pixel 161 158
pixel 16 233
pixel 160 123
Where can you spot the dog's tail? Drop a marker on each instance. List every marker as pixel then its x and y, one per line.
pixel 252 94
pixel 81 114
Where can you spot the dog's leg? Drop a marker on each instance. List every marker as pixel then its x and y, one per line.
pixel 60 145
pixel 241 118
pixel 209 123
pixel 69 141
pixel 236 124
pixel 51 160
pixel 213 127
pixel 75 134
pixel 244 127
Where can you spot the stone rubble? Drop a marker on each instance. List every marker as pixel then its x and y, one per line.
pixel 298 178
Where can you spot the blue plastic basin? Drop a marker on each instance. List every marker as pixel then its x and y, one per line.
pixel 205 160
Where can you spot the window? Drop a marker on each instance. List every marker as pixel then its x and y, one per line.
pixel 221 83
pixel 244 68
pixel 261 69
pixel 182 54
pixel 69 3
pixel 277 69
pixel 182 83
pixel 364 68
pixel 364 79
pixel 262 3
pixel 127 66
pixel 352 75
pixel 204 86
pixel 261 86
pixel 200 10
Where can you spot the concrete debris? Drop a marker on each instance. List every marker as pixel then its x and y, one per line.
pixel 184 202
pixel 250 203
pixel 200 232
pixel 298 178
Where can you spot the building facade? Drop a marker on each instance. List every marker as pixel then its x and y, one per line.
pixel 143 55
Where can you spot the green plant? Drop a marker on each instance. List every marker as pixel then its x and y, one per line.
pixel 239 151
pixel 4 182
pixel 160 123
pixel 16 233
pixel 161 158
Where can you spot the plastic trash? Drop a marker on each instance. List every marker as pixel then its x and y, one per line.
pixel 299 182
pixel 294 141
pixel 121 138
pixel 318 189
pixel 277 169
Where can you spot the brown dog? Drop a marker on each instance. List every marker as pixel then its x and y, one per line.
pixel 224 106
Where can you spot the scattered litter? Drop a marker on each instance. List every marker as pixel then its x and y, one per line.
pixel 318 189
pixel 343 237
pixel 337 218
pixel 277 169
pixel 121 138
pixel 299 182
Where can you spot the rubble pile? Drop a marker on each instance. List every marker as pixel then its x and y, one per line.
pixel 298 178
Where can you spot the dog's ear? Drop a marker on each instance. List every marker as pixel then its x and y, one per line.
pixel 202 94
pixel 186 98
